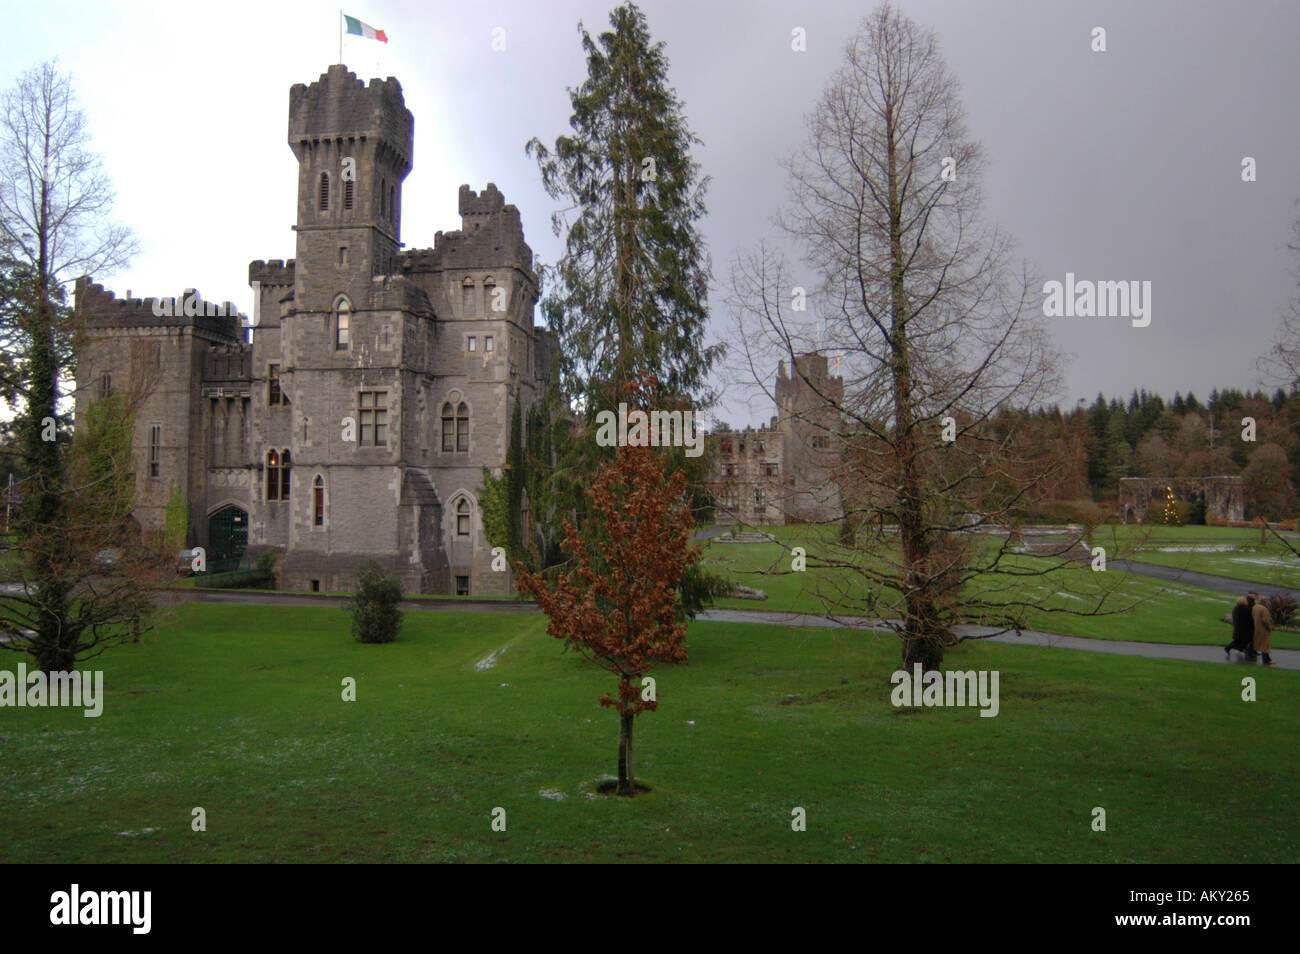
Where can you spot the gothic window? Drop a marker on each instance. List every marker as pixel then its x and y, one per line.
pixel 342 325
pixel 277 475
pixel 273 393
pixel 324 191
pixel 373 417
pixel 105 385
pixel 455 428
pixel 155 450
pixel 347 194
pixel 318 501
pixel 462 518
pixel 467 298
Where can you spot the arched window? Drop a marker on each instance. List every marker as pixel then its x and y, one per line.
pixel 467 298
pixel 277 475
pixel 324 191
pixel 462 517
pixel 462 427
pixel 448 428
pixel 489 295
pixel 318 501
pixel 455 428
pixel 347 193
pixel 342 324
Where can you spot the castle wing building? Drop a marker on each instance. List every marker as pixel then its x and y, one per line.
pixel 354 420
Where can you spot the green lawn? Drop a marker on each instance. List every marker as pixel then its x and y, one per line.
pixel 1158 611
pixel 238 710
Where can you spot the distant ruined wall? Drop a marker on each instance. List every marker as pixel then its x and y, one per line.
pixel 1224 496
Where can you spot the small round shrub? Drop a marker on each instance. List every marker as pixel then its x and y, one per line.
pixel 1281 608
pixel 376 616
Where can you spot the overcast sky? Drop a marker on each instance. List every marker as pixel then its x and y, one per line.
pixel 1117 165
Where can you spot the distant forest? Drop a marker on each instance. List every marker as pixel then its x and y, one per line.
pixel 1146 436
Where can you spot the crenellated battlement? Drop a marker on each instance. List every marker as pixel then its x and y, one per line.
pixel 98 307
pixel 476 207
pixel 341 106
pixel 273 272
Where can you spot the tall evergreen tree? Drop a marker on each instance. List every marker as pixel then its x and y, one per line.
pixel 630 292
pixel 629 296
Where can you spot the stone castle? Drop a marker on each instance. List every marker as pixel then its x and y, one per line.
pixel 354 420
pixel 785 472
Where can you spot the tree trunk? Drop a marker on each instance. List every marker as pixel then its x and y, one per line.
pixel 626 779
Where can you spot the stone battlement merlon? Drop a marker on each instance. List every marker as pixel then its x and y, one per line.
pixel 273 272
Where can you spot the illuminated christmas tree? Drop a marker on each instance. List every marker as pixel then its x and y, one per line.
pixel 1171 515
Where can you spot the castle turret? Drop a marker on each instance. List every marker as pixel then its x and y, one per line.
pixel 353 143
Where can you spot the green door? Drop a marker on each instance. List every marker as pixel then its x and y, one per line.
pixel 227 538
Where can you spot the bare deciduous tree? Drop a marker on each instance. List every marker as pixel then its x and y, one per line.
pixel 936 329
pixel 1282 362
pixel 73 599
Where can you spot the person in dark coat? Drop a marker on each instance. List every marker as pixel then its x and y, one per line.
pixel 1243 629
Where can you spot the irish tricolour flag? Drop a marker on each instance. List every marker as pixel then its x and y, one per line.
pixel 357 28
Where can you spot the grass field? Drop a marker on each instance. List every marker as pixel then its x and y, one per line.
pixel 1160 611
pixel 238 710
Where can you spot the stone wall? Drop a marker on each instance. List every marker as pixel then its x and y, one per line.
pixel 1143 498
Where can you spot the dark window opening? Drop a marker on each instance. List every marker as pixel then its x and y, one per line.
pixel 318 501
pixel 273 393
pixel 155 450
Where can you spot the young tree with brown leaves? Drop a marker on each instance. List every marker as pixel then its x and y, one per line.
pixel 618 602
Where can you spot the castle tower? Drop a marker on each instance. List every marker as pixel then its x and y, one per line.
pixel 808 402
pixel 353 144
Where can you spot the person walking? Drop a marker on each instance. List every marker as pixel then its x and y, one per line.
pixel 1263 632
pixel 1243 630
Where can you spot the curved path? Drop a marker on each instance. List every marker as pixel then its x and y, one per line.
pixel 1285 658
pixel 1224 584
